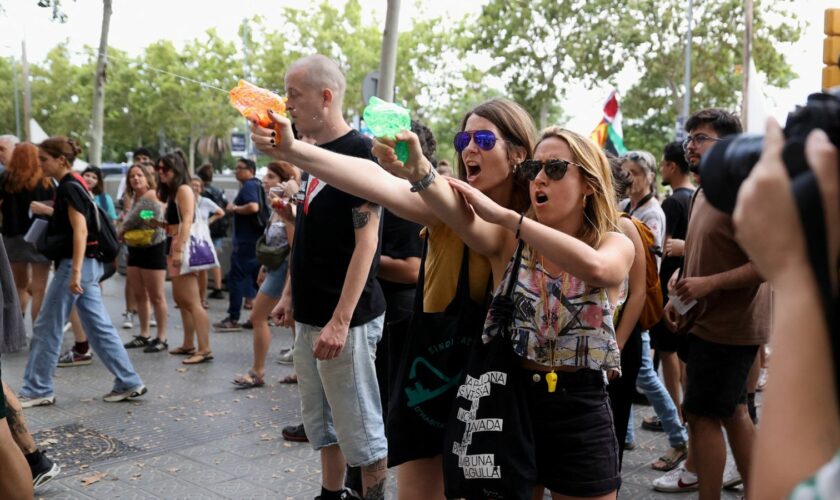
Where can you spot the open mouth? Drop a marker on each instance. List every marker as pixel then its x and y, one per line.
pixel 473 169
pixel 540 197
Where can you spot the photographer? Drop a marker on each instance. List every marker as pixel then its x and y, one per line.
pixel 789 454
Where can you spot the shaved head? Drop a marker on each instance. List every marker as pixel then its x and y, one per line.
pixel 321 72
pixel 7 145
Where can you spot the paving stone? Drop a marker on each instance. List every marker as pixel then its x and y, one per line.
pixel 195 436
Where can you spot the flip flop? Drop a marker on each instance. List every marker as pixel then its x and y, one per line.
pixel 181 351
pixel 289 379
pixel 198 358
pixel 249 381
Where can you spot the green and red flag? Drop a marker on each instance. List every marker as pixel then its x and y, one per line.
pixel 608 133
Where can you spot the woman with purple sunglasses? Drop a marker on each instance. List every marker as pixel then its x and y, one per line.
pixel 495 137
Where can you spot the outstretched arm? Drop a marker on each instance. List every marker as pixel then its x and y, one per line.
pixel 605 266
pixel 357 176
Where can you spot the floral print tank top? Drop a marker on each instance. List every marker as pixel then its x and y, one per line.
pixel 563 314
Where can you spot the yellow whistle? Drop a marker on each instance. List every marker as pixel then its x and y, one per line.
pixel 551 380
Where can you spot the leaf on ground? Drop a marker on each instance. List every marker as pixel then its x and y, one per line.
pixel 287 445
pixel 135 477
pixel 93 478
pixel 181 370
pixel 48 442
pixel 84 466
pixel 173 470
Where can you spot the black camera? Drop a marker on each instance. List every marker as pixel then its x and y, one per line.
pixel 730 161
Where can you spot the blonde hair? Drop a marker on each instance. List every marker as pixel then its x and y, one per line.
pixel 599 214
pixel 150 180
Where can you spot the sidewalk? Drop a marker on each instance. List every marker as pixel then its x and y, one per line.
pixel 194 435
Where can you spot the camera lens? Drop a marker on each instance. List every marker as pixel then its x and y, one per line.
pixel 725 166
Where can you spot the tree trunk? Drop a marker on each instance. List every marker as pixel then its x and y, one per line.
pixel 194 138
pixel 27 93
pixel 544 115
pixel 98 119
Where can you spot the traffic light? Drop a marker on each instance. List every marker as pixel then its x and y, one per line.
pixel 831 49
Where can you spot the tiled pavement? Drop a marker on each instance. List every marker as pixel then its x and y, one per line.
pixel 195 436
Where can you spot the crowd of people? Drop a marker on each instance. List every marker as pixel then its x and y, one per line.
pixel 392 273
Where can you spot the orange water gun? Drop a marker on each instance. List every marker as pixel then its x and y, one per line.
pixel 254 102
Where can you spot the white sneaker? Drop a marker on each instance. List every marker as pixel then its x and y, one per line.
pixel 287 357
pixel 27 402
pixel 128 320
pixel 153 323
pixel 676 481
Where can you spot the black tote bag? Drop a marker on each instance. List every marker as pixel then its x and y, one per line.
pixel 489 445
pixel 430 369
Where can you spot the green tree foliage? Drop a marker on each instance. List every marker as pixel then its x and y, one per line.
pixel 651 106
pixel 7 106
pixel 530 52
pixel 539 48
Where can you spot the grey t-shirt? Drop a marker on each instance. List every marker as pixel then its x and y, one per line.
pixel 654 218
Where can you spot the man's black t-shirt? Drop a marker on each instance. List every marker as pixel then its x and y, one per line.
pixel 400 240
pixel 324 243
pixel 71 192
pixel 15 208
pixel 676 208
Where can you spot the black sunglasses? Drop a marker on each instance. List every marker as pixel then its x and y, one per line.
pixel 554 169
pixel 484 139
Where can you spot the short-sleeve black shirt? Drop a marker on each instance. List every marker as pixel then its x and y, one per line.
pixel 15 208
pixel 676 209
pixel 71 192
pixel 400 240
pixel 324 243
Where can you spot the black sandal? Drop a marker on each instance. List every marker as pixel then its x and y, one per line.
pixel 137 341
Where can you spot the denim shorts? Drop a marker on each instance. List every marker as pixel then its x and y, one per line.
pixel 340 398
pixel 574 433
pixel 275 281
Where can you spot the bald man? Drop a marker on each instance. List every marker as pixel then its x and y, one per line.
pixel 333 294
pixel 7 145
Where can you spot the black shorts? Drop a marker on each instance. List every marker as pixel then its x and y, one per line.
pixel 574 434
pixel 716 377
pixel 664 340
pixel 151 257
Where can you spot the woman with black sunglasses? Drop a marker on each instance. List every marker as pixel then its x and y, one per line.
pixel 568 286
pixel 176 190
pixel 501 134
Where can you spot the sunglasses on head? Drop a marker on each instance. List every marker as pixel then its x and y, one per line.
pixel 484 139
pixel 554 169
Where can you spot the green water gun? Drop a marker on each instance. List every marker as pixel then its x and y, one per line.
pixel 387 119
pixel 147 214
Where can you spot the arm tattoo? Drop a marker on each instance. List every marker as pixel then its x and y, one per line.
pixel 361 215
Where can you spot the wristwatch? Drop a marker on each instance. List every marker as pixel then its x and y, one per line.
pixel 425 182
